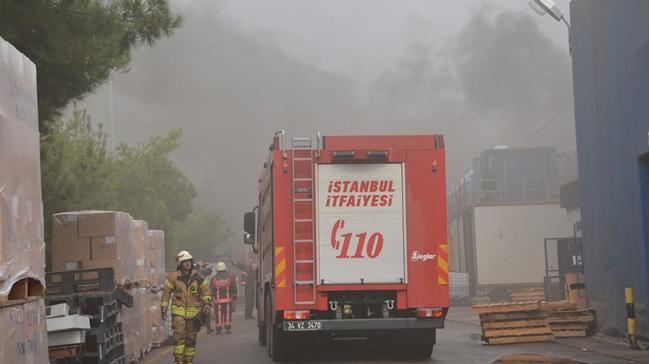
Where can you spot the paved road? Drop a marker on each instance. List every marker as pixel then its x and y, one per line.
pixel 459 342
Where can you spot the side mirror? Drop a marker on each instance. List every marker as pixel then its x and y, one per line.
pixel 249 227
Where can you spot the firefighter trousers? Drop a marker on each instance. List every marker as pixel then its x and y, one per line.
pixel 185 331
pixel 223 313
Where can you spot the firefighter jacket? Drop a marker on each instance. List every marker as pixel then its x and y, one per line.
pixel 224 287
pixel 188 293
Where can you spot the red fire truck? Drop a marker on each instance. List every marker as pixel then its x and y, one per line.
pixel 351 239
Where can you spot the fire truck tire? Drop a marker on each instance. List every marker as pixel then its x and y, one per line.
pixel 276 340
pixel 417 345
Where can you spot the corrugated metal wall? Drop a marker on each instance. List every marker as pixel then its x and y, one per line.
pixel 610 51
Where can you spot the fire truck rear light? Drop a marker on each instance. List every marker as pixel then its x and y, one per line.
pixel 430 312
pixel 297 315
pixel 344 154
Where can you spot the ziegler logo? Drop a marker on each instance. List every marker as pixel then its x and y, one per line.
pixel 417 256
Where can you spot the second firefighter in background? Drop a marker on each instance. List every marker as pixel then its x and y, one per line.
pixel 224 293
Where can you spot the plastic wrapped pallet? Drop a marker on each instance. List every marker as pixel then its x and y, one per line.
pixel 94 239
pixel 136 333
pixel 21 207
pixel 23 332
pixel 158 331
pixel 141 246
pixel 156 257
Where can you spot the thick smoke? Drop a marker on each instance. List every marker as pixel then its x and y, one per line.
pixel 496 82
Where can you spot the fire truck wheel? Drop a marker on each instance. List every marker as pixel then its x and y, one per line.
pixel 276 340
pixel 417 344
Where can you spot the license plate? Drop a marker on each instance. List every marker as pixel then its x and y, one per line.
pixel 302 325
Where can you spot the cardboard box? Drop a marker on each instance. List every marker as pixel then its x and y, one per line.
pixel 70 249
pixel 65 225
pixel 98 223
pixel 23 332
pixel 121 276
pixel 104 248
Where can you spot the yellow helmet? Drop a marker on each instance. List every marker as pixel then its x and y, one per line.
pixel 221 267
pixel 183 256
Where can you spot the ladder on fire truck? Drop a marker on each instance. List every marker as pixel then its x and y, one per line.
pixel 304 249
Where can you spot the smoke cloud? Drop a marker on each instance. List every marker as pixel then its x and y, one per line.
pixel 498 81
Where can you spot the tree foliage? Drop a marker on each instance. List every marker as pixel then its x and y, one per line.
pixel 79 172
pixel 204 234
pixel 75 44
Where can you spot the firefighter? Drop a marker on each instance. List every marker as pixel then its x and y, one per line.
pixel 224 291
pixel 190 297
pixel 249 283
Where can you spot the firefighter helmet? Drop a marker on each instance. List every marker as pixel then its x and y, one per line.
pixel 183 256
pixel 220 267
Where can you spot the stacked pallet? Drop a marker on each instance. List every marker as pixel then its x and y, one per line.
pixel 528 294
pixel 512 323
pixel 93 293
pixel 567 320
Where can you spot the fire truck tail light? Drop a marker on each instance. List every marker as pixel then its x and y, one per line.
pixel 297 315
pixel 430 312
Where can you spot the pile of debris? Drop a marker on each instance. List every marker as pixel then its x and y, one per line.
pixel 532 321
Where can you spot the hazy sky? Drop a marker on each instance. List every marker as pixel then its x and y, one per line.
pixel 364 37
pixel 483 73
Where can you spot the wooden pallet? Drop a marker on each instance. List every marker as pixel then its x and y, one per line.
pixel 521 339
pixel 507 307
pixel 24 289
pixel 65 352
pixel 518 332
pixel 488 325
pixel 570 322
pixel 558 306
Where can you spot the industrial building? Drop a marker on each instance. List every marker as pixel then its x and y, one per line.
pixel 610 55
pixel 500 215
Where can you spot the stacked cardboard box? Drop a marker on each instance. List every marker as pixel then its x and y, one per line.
pixel 21 205
pixel 156 257
pixel 94 239
pixel 141 245
pixel 23 336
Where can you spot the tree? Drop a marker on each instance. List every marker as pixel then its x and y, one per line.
pixel 76 44
pixel 204 234
pixel 150 185
pixel 79 172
